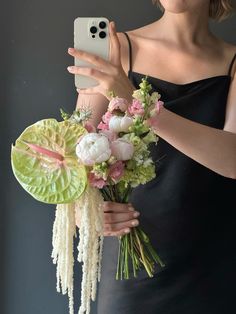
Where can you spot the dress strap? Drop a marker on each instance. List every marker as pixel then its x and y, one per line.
pixel 231 65
pixel 130 54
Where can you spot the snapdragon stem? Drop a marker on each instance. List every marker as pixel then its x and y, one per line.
pixel 150 248
pixel 126 257
pixel 118 263
pixel 135 245
pixel 122 259
pixel 142 255
pixel 132 253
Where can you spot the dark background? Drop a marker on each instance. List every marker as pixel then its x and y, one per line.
pixel 34 85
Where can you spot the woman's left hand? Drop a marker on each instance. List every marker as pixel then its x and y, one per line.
pixel 111 75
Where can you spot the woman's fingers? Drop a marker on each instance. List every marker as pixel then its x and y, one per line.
pixel 117 233
pixel 119 218
pixel 114 45
pixel 112 218
pixel 117 207
pixel 95 60
pixel 92 72
pixel 121 225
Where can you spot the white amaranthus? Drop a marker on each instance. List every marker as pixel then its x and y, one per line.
pixel 64 229
pixel 90 209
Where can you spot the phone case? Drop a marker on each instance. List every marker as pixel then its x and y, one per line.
pixel 91 34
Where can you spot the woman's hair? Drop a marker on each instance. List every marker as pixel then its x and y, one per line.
pixel 218 10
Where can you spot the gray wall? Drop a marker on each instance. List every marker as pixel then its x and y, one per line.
pixel 34 85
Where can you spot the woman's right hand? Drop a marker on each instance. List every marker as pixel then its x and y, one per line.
pixel 118 218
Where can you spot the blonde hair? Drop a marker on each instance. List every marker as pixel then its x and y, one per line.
pixel 218 10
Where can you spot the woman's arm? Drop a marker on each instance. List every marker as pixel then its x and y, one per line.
pixel 98 104
pixel 211 147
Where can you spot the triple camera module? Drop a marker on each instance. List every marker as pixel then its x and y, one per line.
pixel 94 30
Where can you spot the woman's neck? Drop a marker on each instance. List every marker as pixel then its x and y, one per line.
pixel 185 28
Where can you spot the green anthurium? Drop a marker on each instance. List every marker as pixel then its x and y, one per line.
pixel 45 164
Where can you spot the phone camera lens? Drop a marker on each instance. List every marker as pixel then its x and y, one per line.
pixel 93 29
pixel 102 34
pixel 102 24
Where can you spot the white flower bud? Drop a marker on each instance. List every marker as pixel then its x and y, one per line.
pixel 120 124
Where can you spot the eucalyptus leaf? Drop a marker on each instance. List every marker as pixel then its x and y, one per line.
pixel 45 163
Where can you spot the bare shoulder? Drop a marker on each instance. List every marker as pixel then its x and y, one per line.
pixel 230 52
pixel 135 36
pixel 124 51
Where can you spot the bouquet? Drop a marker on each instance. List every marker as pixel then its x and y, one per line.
pixel 73 165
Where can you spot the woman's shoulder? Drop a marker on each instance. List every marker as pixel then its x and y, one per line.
pixel 227 46
pixel 229 52
pixel 137 36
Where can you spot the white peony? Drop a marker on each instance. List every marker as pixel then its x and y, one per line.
pixel 93 148
pixel 120 124
pixel 122 149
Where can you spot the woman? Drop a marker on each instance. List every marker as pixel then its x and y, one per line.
pixel 188 210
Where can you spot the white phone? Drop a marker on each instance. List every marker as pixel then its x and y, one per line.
pixel 91 34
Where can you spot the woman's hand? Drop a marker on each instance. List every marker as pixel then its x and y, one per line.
pixel 119 218
pixel 111 76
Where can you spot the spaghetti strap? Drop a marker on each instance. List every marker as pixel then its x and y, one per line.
pixel 231 65
pixel 130 54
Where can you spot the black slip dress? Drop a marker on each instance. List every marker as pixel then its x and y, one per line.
pixel 189 213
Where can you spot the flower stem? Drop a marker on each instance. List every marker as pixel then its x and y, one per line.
pixel 118 263
pixel 132 253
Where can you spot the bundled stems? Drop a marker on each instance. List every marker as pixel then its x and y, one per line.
pixel 135 247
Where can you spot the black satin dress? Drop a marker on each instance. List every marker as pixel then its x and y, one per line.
pixel 189 213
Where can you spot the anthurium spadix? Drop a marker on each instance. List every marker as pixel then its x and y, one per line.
pixel 45 164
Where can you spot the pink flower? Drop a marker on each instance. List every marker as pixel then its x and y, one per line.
pixel 116 170
pixel 155 108
pixel 117 103
pixel 158 105
pixel 90 127
pixel 122 149
pixel 104 124
pixel 106 117
pixel 136 108
pixel 95 181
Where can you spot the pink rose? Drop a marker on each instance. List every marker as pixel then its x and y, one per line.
pixel 117 103
pixel 95 181
pixel 116 170
pixel 136 108
pixel 122 149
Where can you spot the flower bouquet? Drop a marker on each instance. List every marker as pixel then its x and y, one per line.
pixel 73 165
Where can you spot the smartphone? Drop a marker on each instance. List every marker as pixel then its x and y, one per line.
pixel 91 34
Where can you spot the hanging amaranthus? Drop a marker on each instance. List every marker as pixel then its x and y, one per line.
pixel 90 209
